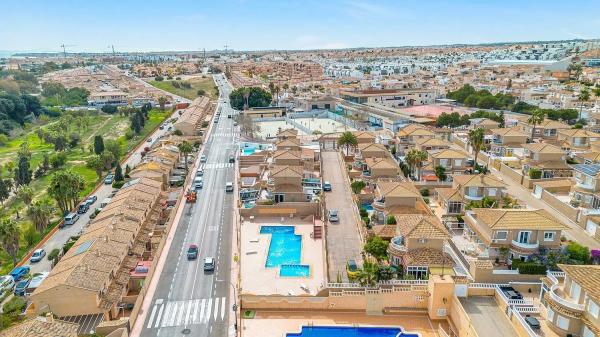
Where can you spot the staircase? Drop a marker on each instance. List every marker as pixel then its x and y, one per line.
pixel 317 229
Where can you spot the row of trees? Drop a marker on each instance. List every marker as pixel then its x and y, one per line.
pixel 243 98
pixel 482 99
pixel 16 110
pixel 55 94
pixel 454 119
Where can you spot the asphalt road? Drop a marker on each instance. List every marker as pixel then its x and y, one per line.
pixel 188 300
pixel 62 235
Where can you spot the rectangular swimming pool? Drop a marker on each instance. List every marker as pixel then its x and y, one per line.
pixel 335 331
pixel 285 251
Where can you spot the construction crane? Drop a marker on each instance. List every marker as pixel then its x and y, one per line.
pixel 226 48
pixel 112 46
pixel 64 47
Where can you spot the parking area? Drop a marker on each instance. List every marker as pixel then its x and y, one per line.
pixel 343 239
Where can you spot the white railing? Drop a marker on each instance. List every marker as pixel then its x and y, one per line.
pixel 554 275
pixel 344 285
pixel 404 282
pixel 526 326
pixel 534 310
pixel 526 245
pixel 525 302
pixel 505 272
pixel 473 197
pixel 571 305
pixel 483 285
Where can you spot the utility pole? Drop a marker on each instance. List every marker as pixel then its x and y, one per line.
pixel 226 48
pixel 64 50
pixel 204 55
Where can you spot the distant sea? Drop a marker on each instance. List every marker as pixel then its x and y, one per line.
pixel 5 53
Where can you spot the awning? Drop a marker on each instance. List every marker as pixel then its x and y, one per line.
pixel 441 271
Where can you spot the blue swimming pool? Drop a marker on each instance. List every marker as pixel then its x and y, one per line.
pixel 334 331
pixel 249 151
pixel 368 207
pixel 285 251
pixel 294 270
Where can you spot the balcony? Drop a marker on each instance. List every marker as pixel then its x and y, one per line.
pixel 379 204
pixel 397 246
pixel 473 197
pixel 527 246
pixel 554 294
pixel 584 186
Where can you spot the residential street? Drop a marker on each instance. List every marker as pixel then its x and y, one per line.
pixel 188 299
pixel 343 239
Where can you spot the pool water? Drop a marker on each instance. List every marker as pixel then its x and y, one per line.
pixel 333 331
pixel 249 151
pixel 294 270
pixel 285 251
pixel 368 207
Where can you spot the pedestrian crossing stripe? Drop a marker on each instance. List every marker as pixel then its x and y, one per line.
pixel 226 134
pixel 190 312
pixel 216 166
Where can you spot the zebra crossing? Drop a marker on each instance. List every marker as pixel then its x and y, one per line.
pixel 209 166
pixel 226 134
pixel 190 312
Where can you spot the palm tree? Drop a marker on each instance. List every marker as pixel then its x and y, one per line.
pixel 186 148
pixel 440 173
pixel 40 213
pixel 347 139
pixel 367 276
pixel 9 237
pixel 536 118
pixel 162 100
pixel 415 159
pixel 584 96
pixel 476 140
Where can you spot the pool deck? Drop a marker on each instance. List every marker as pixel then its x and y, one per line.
pixel 278 324
pixel 259 280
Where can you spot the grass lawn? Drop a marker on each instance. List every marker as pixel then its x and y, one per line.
pixel 207 84
pixel 109 126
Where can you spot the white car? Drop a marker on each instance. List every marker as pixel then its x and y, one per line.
pixel 203 158
pixel 7 283
pixel 333 215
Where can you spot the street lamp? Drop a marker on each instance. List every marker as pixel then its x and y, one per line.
pixel 234 306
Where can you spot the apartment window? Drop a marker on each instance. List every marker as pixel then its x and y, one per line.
pixel 548 236
pixel 593 309
pixel 457 162
pixel 550 314
pixel 575 291
pixel 454 207
pixel 444 162
pixel 562 322
pixel 492 192
pixel 524 236
pixel 473 191
pixel 501 235
pixel 587 332
pixel 418 272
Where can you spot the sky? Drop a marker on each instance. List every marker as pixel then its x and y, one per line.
pixel 174 25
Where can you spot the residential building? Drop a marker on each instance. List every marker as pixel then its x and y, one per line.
pixel 287 133
pixel 287 183
pixel 290 143
pixel 468 188
pixel 262 112
pixel 101 98
pixel 309 103
pixel 522 231
pixel 364 137
pixel 394 198
pixel 504 140
pixel 41 327
pixel 371 150
pixel 549 159
pixel 547 130
pixel 576 139
pixel 429 144
pixel 571 298
pixel 587 185
pixel 374 168
pixel 408 136
pixel 417 245
pixel 192 118
pixel 483 123
pixel 453 161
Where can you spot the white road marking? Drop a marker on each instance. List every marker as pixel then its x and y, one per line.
pixel 216 312
pixel 223 308
pixel 202 310
pixel 159 316
pixel 208 310
pixel 151 316
pixel 167 316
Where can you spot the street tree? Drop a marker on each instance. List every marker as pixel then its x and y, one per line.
pixel 415 158
pixel 185 148
pixel 584 96
pixel 536 118
pixel 96 164
pixel 40 213
pixel 347 139
pixel 65 186
pixel 119 173
pixel 98 144
pixel 476 141
pixel 9 237
pixel 162 100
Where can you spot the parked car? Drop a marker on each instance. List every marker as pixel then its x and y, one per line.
pixel 327 186
pixel 70 219
pixel 83 208
pixel 352 269
pixel 198 183
pixel 199 173
pixel 92 199
pixel 7 283
pixel 203 158
pixel 192 252
pixel 21 287
pixel 333 215
pixel 37 255
pixel 209 264
pixel 229 187
pixel 109 179
pixel 149 140
pixel 231 159
pixel 19 272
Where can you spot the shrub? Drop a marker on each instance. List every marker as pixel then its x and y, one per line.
pixel 578 252
pixel 204 124
pixel 14 307
pixel 109 109
pixel 357 186
pixel 31 235
pixel 178 133
pixel 377 247
pixel 366 220
pixel 58 159
pixel 529 268
pixel 424 191
pixel 535 173
pixel 363 212
pixel 53 254
pixel 129 134
pixel 118 184
pixel 391 220
pixel 159 78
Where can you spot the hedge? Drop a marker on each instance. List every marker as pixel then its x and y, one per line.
pixel 529 268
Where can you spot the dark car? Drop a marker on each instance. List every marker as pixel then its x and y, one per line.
pixel 83 208
pixel 231 159
pixel 92 199
pixel 192 252
pixel 21 287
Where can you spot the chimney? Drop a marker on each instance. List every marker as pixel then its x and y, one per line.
pixel 49 317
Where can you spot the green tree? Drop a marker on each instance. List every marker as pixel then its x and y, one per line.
pixel 185 148
pixel 98 144
pixel 108 160
pixel 9 237
pixel 440 173
pixel 25 193
pixel 367 276
pixel 584 96
pixel 23 172
pixel 415 158
pixel 377 247
pixel 476 141
pixel 357 186
pixel 109 109
pixel 347 139
pixel 40 213
pixel 5 187
pixel 249 98
pixel 65 186
pixel 119 173
pixel 578 252
pixel 96 164
pixel 162 100
pixel 58 160
pixel 536 118
pixel 113 146
pixel 391 220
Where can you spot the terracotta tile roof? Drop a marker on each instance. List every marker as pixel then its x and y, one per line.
pixel 428 257
pixel 288 142
pixel 514 131
pixel 385 231
pixel 592 156
pixel 483 264
pixel 579 133
pixel 587 276
pixel 381 163
pixel 449 194
pixel 555 183
pixel 432 142
pixel 551 124
pixel 543 148
pixel 286 154
pixel 414 130
pixel 477 180
pixel 447 153
pixel 364 135
pixel 371 147
pixel 419 226
pixel 398 189
pixel 285 171
pixel 288 133
pixel 498 218
pixel 485 121
pixel 41 327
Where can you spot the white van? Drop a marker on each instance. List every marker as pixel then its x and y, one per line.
pixel 229 187
pixel 198 183
pixel 104 202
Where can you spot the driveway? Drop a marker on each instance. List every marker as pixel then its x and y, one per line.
pixel 343 239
